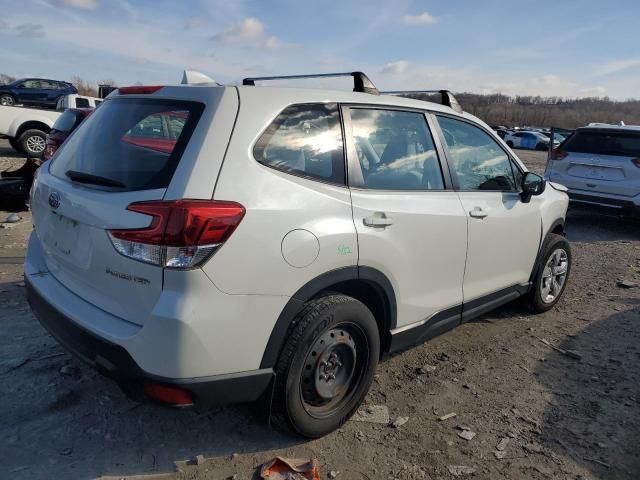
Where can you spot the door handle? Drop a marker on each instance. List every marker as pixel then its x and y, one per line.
pixel 378 219
pixel 478 212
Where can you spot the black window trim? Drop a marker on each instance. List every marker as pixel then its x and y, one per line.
pixel 354 178
pixel 456 183
pixel 296 173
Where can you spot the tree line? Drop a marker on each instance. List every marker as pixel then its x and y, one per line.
pixel 499 109
pixel 537 111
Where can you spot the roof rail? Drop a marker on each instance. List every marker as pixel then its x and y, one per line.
pixel 361 82
pixel 446 97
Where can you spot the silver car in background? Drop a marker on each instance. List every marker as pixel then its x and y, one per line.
pixel 600 165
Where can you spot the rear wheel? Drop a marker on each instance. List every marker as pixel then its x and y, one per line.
pixel 7 100
pixel 32 142
pixel 552 275
pixel 509 144
pixel 326 366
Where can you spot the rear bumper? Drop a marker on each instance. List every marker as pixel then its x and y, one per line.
pixel 606 201
pixel 115 362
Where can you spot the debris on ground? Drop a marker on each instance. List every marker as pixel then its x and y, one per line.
pixel 447 416
pixel 290 469
pixel 502 444
pixel 66 451
pixel 499 454
pixel 333 474
pixel 467 434
pixel 12 218
pixel 70 371
pixel 532 448
pixel 399 421
pixel 199 460
pixel 627 284
pixel 569 353
pixel 425 369
pixel 599 462
pixel 459 470
pixel 373 414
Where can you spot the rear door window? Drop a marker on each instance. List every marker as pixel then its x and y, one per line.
pixel 395 150
pixel 622 144
pixel 304 140
pixel 131 144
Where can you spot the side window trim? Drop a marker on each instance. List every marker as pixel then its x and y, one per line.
pixel 355 178
pixel 300 174
pixel 454 176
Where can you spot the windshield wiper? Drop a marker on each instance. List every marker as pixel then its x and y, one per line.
pixel 82 177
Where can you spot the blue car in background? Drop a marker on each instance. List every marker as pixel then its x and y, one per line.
pixel 36 92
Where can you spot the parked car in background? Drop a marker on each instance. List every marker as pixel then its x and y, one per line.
pixel 62 128
pixel 529 140
pixel 36 92
pixel 162 222
pixel 600 164
pixel 27 128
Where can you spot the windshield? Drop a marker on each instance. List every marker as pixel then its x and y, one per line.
pixel 134 143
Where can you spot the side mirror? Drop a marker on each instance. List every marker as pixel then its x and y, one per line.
pixel 532 184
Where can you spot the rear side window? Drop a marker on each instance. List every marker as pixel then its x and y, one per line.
pixel 395 150
pixel 623 144
pixel 66 122
pixel 305 140
pixel 130 144
pixel 82 103
pixel 476 158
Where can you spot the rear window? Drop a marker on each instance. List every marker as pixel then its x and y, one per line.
pixel 66 122
pixel 131 144
pixel 623 144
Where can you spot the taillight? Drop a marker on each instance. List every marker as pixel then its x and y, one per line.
pixel 636 162
pixel 557 154
pixel 182 233
pixel 139 89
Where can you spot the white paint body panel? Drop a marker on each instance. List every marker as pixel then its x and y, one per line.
pixel 12 118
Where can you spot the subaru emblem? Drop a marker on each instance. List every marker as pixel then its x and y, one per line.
pixel 54 200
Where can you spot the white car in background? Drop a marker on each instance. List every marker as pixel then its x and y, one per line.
pixel 600 165
pixel 529 139
pixel 217 244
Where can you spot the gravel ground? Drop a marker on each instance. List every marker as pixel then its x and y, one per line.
pixel 562 418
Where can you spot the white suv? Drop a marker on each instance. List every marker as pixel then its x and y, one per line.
pixel 600 164
pixel 207 244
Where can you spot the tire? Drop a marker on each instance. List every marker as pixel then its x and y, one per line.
pixel 335 331
pixel 7 100
pixel 15 145
pixel 541 147
pixel 510 144
pixel 32 142
pixel 547 290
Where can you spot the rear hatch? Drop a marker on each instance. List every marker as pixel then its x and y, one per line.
pixel 600 160
pixel 126 152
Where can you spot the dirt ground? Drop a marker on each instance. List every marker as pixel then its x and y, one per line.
pixel 563 418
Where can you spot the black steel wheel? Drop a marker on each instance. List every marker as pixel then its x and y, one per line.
pixel 327 365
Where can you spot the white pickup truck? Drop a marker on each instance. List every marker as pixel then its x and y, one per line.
pixel 27 128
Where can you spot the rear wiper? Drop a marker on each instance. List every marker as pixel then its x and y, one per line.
pixel 82 177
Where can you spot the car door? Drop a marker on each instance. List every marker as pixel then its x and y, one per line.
pixel 504 233
pixel 25 92
pixel 410 223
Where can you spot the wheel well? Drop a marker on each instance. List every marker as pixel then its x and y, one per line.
pixel 374 298
pixel 558 229
pixel 32 125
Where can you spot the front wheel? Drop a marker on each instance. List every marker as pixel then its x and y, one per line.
pixel 510 144
pixel 326 366
pixel 7 100
pixel 552 275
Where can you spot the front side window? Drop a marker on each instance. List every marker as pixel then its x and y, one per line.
pixel 305 140
pixel 395 150
pixel 476 158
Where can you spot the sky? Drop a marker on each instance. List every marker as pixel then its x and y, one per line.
pixel 569 48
